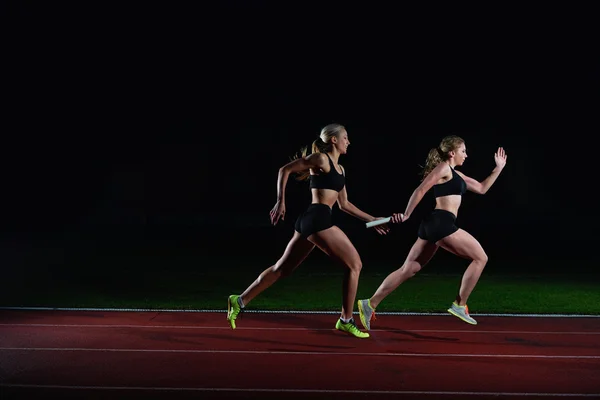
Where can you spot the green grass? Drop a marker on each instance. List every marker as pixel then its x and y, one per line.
pixel 307 289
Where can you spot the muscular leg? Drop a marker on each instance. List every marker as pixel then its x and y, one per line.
pixel 464 245
pixel 418 256
pixel 336 245
pixel 296 251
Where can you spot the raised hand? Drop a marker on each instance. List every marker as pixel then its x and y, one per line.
pixel 500 157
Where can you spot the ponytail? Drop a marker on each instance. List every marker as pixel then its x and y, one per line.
pixel 318 146
pixel 433 159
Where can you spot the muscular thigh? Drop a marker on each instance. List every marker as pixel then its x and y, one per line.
pixel 296 251
pixel 421 252
pixel 463 244
pixel 335 243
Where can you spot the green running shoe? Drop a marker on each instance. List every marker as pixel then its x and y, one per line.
pixel 351 328
pixel 233 309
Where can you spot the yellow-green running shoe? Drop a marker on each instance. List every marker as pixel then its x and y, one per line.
pixel 351 328
pixel 366 312
pixel 461 312
pixel 233 309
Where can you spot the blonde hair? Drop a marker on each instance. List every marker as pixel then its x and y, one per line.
pixel 440 153
pixel 321 145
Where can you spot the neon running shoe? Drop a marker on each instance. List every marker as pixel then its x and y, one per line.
pixel 366 312
pixel 461 312
pixel 233 309
pixel 351 328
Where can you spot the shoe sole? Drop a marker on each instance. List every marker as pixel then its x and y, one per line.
pixel 451 311
pixel 352 334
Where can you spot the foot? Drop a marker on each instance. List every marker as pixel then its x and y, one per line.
pixel 351 328
pixel 366 313
pixel 233 309
pixel 461 312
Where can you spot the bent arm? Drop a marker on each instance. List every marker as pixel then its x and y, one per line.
pixel 315 160
pixel 482 187
pixel 485 185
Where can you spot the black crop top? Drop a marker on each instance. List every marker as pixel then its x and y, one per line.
pixel 332 180
pixel 456 185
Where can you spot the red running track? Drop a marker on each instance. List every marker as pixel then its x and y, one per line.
pixel 175 355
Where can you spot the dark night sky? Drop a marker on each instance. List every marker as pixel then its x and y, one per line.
pixel 163 115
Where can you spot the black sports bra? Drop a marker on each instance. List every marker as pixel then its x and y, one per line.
pixel 456 185
pixel 331 180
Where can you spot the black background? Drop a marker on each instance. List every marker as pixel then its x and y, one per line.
pixel 165 125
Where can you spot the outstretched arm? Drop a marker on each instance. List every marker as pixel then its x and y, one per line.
pixel 441 170
pixel 482 187
pixel 349 208
pixel 315 160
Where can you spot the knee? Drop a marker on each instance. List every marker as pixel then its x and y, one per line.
pixel 411 268
pixel 355 266
pixel 482 259
pixel 282 270
pixel 279 272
